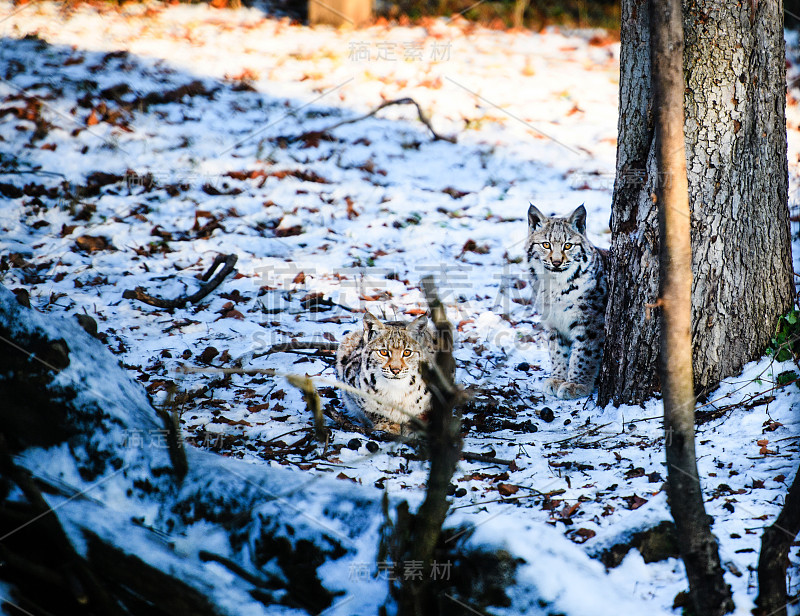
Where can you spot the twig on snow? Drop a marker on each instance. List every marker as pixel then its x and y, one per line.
pixel 227 261
pixel 398 101
pixel 300 345
pixel 479 457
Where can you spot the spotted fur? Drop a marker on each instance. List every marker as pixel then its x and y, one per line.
pixel 383 359
pixel 568 275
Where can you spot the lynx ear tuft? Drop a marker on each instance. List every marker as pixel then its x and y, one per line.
pixel 578 219
pixel 535 217
pixel 371 325
pixel 417 326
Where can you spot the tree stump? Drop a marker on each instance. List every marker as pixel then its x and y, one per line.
pixel 340 12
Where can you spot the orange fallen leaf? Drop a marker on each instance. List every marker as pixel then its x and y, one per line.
pixel 771 426
pixel 461 324
pixel 568 510
pixel 507 489
pixel 91 243
pixel 257 407
pixel 763 447
pixel 582 535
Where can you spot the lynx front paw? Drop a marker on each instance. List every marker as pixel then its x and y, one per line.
pixel 551 386
pixel 388 426
pixel 570 391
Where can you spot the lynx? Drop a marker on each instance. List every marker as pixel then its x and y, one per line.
pixel 383 360
pixel 568 275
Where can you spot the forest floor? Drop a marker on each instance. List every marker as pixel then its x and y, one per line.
pixel 140 142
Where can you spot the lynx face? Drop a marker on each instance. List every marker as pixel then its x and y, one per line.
pixel 557 244
pixel 394 348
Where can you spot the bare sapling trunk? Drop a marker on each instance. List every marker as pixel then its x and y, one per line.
pixel 774 557
pixel 416 596
pixel 444 428
pixel 708 593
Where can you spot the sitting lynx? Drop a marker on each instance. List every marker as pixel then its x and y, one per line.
pixel 383 360
pixel 569 279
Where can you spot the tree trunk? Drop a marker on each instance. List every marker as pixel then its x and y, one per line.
pixel 419 597
pixel 735 133
pixel 708 592
pixel 628 373
pixel 774 556
pixel 337 13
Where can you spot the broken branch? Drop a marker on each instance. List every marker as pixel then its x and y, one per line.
pixel 297 347
pixel 479 457
pixel 228 262
pixel 300 345
pixel 399 101
pixel 313 402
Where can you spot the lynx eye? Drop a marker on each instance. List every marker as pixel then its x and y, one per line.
pixel 383 353
pixel 567 246
pixel 407 353
pixel 546 245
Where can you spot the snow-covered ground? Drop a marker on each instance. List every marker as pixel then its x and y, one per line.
pixel 101 138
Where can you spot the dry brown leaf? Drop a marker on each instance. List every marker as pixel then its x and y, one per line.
pixel 582 535
pixel 507 489
pixel 91 243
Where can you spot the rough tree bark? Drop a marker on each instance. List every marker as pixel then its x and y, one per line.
pixel 735 133
pixel 708 592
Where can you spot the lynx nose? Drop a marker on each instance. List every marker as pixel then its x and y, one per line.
pixel 556 262
pixel 395 370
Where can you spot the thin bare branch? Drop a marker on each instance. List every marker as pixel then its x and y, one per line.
pixel 399 101
pixel 228 262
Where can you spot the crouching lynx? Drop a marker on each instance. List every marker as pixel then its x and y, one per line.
pixel 383 360
pixel 568 275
